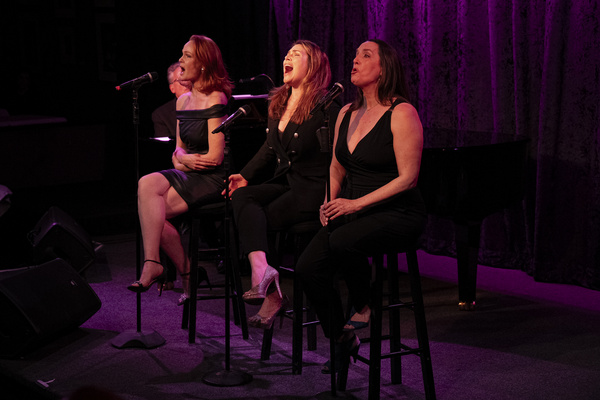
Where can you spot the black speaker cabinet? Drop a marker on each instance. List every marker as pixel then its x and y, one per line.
pixel 39 303
pixel 57 235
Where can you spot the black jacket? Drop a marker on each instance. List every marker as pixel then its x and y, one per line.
pixel 297 159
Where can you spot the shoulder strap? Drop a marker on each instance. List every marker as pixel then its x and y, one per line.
pixel 399 100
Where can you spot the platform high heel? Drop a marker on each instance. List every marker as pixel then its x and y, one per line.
pixel 138 287
pixel 259 321
pixel 257 294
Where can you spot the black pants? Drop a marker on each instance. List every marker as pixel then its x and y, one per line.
pixel 344 247
pixel 263 208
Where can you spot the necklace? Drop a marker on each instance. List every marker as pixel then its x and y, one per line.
pixel 370 108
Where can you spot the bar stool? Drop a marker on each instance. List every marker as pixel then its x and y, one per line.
pixel 394 304
pixel 301 234
pixel 199 217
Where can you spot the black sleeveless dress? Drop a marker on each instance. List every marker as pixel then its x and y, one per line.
pixel 197 187
pixel 373 164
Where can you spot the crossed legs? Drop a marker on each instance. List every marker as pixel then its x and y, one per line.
pixel 157 203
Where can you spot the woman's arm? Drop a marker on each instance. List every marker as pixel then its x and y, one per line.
pixel 408 145
pixel 216 143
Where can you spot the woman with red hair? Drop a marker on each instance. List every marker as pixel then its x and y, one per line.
pixel 197 176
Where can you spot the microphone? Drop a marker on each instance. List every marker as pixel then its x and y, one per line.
pixel 244 110
pixel 248 80
pixel 259 76
pixel 326 100
pixel 149 77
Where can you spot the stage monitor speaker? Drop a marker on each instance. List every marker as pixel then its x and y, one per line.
pixel 39 303
pixel 57 235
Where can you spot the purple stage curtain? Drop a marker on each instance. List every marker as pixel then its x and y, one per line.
pixel 520 67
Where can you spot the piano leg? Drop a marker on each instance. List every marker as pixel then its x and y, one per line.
pixel 467 236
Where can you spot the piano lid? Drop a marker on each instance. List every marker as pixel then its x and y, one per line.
pixel 467 175
pixel 453 139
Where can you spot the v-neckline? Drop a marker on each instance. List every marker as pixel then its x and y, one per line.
pixel 362 138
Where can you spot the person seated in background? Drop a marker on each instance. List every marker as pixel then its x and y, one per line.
pixel 164 118
pixel 294 192
pixel 375 205
pixel 197 176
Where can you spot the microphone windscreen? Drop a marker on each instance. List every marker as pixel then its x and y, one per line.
pixel 245 109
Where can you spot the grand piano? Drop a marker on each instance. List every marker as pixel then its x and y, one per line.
pixel 466 176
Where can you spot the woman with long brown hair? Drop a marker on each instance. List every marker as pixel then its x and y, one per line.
pixel 375 204
pixel 295 189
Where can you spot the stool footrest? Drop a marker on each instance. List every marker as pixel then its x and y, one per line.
pixel 410 305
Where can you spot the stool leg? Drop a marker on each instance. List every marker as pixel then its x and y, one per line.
pixel 311 330
pixel 185 319
pixel 421 325
pixel 265 351
pixel 394 318
pixel 194 238
pixel 376 322
pixel 297 328
pixel 239 307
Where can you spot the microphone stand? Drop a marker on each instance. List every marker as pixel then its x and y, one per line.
pixel 146 339
pixel 326 142
pixel 326 147
pixel 227 377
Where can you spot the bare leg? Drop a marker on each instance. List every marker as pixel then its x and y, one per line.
pixel 170 242
pixel 157 201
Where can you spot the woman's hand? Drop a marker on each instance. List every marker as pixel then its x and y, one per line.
pixel 235 181
pixel 197 162
pixel 337 208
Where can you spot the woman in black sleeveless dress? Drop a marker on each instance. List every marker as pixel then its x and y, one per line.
pixel 375 205
pixel 198 175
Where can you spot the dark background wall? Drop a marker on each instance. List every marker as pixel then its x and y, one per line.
pixel 521 67
pixel 71 54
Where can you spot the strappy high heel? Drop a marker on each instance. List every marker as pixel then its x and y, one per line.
pixel 202 276
pixel 257 294
pixel 184 298
pixel 259 321
pixel 138 287
pixel 355 325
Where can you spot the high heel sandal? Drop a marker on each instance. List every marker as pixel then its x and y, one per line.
pixel 257 294
pixel 202 276
pixel 355 325
pixel 138 287
pixel 343 352
pixel 259 321
pixel 184 298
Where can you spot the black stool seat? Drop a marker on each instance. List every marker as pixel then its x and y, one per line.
pixel 393 306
